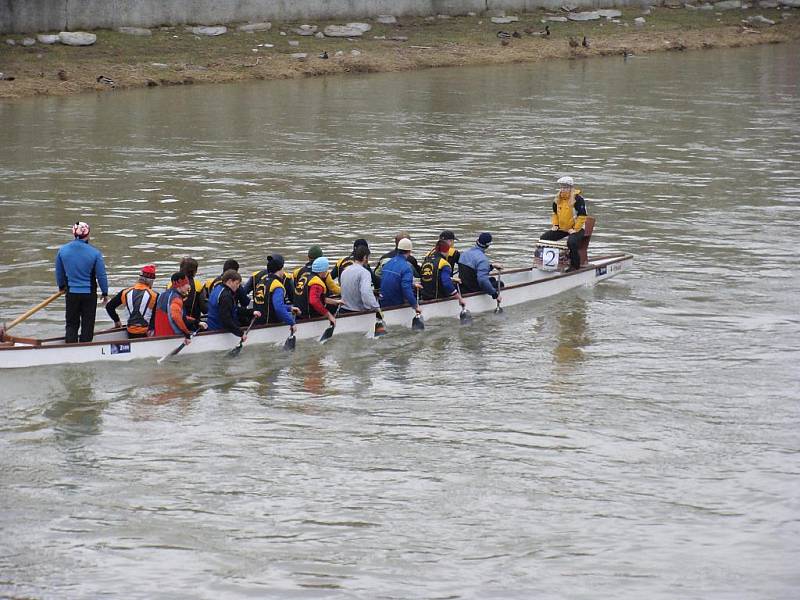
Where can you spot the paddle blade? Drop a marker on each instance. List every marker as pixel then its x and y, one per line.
pixel 235 351
pixel 380 328
pixel 173 353
pixel 465 317
pixel 290 343
pixel 498 309
pixel 418 323
pixel 326 335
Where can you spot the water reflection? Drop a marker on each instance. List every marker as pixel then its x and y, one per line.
pixel 571 333
pixel 79 412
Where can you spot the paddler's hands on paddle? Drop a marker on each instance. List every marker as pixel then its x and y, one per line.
pixel 334 301
pixel 104 299
pixel 117 324
pixel 296 311
pixel 570 231
pixel 331 319
pixel 554 228
pixel 256 315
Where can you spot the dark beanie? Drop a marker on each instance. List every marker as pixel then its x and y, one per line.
pixel 484 240
pixel 274 263
pixel 360 242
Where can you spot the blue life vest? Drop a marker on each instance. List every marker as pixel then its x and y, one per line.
pixel 214 321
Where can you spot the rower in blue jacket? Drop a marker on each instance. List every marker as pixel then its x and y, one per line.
pixel 474 267
pixel 397 279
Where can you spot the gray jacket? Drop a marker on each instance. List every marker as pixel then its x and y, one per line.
pixel 357 291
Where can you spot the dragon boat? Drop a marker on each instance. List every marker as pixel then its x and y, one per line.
pixel 520 286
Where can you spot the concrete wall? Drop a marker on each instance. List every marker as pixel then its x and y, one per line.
pixel 33 16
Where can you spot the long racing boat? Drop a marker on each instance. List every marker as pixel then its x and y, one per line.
pixel 521 285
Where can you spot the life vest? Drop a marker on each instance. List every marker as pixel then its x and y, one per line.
pixel 140 302
pixel 429 275
pixel 214 320
pixel 273 283
pixel 165 325
pixel 302 285
pixel 565 215
pixel 210 284
pixel 469 279
pixel 451 256
pixel 190 302
pixel 340 266
pixel 261 291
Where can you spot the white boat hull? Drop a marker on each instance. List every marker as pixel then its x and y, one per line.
pixel 521 285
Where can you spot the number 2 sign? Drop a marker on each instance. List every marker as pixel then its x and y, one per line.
pixel 550 259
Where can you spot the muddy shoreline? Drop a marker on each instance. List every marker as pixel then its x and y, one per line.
pixel 174 56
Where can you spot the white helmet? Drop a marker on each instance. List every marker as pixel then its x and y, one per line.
pixel 566 180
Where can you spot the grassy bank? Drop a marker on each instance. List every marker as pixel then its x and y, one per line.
pixel 173 56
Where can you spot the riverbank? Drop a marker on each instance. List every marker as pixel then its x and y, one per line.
pixel 175 56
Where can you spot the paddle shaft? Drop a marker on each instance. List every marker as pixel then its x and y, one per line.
pixel 179 348
pixel 246 331
pixel 35 309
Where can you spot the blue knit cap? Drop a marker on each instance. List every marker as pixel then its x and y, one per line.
pixel 320 265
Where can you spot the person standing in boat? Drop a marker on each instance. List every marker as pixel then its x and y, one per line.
pixel 80 268
pixel 397 279
pixel 310 293
pixel 171 317
pixel 569 216
pixel 140 302
pixel 222 313
pixel 474 268
pixel 357 291
pixel 437 273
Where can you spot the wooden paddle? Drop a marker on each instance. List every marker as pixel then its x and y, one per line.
pixel 179 348
pixel 237 350
pixel 36 308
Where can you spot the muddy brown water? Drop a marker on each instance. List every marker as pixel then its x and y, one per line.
pixel 637 439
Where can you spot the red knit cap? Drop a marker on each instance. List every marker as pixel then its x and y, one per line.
pixel 148 271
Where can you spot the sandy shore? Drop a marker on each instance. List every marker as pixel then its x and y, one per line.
pixel 174 56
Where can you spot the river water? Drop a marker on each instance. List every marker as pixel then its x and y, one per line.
pixel 634 440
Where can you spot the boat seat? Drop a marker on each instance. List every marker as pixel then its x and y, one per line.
pixel 563 262
pixel 583 249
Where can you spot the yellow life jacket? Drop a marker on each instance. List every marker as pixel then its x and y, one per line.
pixel 564 214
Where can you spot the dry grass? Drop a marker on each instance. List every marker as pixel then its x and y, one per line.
pixel 128 60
